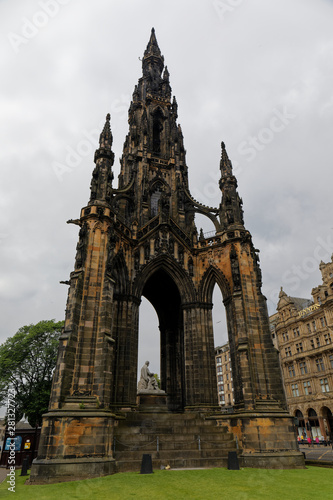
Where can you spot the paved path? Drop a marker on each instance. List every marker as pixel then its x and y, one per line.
pixel 3 474
pixel 318 452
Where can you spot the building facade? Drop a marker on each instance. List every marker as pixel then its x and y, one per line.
pixel 225 388
pixel 302 331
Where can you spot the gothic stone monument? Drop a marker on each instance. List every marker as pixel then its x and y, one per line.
pixel 138 240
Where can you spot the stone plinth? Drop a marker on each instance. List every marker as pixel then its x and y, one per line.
pixel 267 439
pixel 74 444
pixel 152 402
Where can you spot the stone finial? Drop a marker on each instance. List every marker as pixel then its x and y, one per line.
pixel 105 139
pixel 225 163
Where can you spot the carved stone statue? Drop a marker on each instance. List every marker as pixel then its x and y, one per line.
pixel 147 383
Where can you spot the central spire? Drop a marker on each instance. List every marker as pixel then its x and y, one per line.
pixel 152 61
pixel 152 47
pixel 153 175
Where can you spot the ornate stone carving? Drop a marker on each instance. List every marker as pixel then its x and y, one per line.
pixel 81 248
pixel 235 268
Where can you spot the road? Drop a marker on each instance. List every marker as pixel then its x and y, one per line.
pixel 318 452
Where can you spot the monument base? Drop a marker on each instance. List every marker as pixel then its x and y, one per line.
pixel 70 469
pixel 75 443
pixel 152 402
pixel 265 439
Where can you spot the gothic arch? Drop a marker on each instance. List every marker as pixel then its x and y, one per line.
pixel 159 181
pixel 120 274
pixel 212 276
pixel 174 270
pixel 159 110
pixel 96 225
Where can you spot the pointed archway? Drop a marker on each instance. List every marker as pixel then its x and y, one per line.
pixel 163 294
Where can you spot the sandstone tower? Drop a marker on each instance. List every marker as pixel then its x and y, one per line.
pixel 140 239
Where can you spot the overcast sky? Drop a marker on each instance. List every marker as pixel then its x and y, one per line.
pixel 256 74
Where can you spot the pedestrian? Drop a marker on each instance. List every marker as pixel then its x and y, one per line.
pixel 317 440
pixel 309 441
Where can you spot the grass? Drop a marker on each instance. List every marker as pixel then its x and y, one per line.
pixel 208 484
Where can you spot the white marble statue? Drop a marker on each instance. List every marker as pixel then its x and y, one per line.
pixel 147 383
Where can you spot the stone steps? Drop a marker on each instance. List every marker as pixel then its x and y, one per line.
pixel 172 454
pixel 176 463
pixel 177 437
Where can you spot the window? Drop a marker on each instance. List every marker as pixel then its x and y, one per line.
pixel 318 341
pixel 157 129
pixel 303 367
pixel 220 378
pixel 309 327
pixel 219 369
pixel 294 388
pixel 324 385
pixel 327 338
pixel 296 332
pixel 314 326
pixel 227 376
pixel 285 336
pixel 222 398
pixel 323 322
pixel 154 199
pixel 299 347
pixel 312 344
pixel 225 357
pixel 320 364
pixel 287 351
pixel 218 360
pixel 307 387
pixel 331 360
pixel 291 370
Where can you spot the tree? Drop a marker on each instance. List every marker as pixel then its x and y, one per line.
pixel 27 362
pixel 157 378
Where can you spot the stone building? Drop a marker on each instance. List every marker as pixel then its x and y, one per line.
pixel 2 432
pixel 140 239
pixel 225 388
pixel 302 330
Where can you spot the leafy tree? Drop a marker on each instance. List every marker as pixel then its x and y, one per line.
pixel 157 378
pixel 27 362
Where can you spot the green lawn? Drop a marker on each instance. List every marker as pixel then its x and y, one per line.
pixel 246 484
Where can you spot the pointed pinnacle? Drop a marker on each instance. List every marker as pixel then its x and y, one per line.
pixel 105 139
pixel 225 163
pixel 166 74
pixel 152 47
